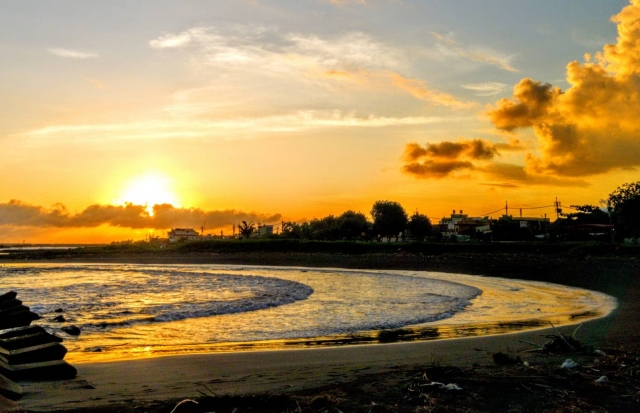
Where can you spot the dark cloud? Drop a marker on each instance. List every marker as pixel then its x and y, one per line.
pixel 510 174
pixel 443 158
pixel 435 169
pixel 19 214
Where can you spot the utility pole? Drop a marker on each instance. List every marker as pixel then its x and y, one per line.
pixel 506 208
pixel 558 209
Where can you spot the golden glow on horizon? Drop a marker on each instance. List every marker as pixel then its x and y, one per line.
pixel 149 190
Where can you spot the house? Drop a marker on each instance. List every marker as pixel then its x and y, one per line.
pixel 183 234
pixel 263 230
pixel 510 228
pixel 461 224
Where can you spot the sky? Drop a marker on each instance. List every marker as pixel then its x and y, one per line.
pixel 122 119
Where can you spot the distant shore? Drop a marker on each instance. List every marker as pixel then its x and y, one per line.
pixel 161 382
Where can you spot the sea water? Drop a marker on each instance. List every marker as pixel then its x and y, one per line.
pixel 134 310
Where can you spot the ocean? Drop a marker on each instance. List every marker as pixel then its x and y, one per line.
pixel 134 310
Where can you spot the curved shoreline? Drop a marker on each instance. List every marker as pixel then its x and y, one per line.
pixel 137 382
pixel 491 312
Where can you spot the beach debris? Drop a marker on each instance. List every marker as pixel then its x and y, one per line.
pixel 185 405
pixel 450 386
pixel 602 379
pixel 504 359
pixel 71 330
pixel 559 344
pixel 569 364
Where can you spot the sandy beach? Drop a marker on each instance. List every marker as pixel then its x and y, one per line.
pixel 157 384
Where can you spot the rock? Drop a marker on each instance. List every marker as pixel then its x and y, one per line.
pixel 59 310
pixel 71 330
pixel 59 319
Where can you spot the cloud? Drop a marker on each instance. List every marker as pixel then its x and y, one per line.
pixel 388 80
pixel 354 49
pixel 516 175
pixel 419 89
pixel 488 57
pixel 19 214
pixel 592 127
pixel 531 102
pixel 299 121
pixel 97 83
pixel 72 54
pixel 267 49
pixel 486 89
pixel 170 41
pixel 264 56
pixel 345 2
pixel 438 160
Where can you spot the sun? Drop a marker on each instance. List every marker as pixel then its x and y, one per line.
pixel 149 190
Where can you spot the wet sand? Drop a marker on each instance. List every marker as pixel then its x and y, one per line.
pixel 129 385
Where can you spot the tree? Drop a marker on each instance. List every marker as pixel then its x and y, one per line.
pixel 624 205
pixel 419 226
pixel 352 225
pixel 389 219
pixel 246 229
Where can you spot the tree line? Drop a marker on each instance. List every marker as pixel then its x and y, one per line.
pixel 389 220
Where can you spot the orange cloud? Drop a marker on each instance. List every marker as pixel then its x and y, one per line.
pixel 437 160
pixel 592 127
pixel 18 214
pixel 415 87
pixel 510 175
pixel 419 89
pixel 531 102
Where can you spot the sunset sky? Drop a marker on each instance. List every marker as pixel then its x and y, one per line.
pixel 264 110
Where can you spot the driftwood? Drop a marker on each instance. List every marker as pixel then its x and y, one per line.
pixel 559 344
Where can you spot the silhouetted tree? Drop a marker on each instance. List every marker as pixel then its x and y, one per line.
pixel 419 226
pixel 624 205
pixel 353 225
pixel 324 229
pixel 246 229
pixel 389 218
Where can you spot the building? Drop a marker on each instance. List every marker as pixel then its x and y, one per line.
pixel 510 228
pixel 183 234
pixel 462 225
pixel 263 230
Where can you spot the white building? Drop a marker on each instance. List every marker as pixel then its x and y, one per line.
pixel 183 234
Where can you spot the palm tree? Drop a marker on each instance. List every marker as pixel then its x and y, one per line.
pixel 246 229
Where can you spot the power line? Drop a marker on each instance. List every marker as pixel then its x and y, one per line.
pixel 506 208
pixel 546 206
pixel 493 212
